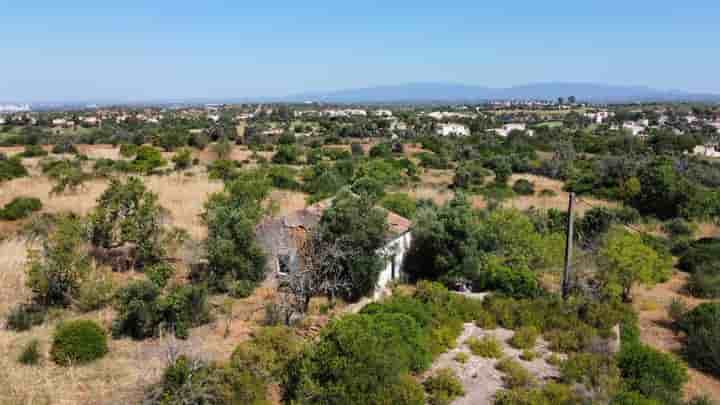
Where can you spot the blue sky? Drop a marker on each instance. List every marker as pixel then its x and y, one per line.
pixel 141 50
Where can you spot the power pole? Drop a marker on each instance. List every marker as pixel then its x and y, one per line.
pixel 568 248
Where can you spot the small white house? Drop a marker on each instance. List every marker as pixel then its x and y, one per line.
pixel 507 128
pixel 281 238
pixel 634 128
pixel 452 129
pixel 708 150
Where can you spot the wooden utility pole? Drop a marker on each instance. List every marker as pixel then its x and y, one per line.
pixel 568 248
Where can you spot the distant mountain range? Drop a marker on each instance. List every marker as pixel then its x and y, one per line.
pixel 450 92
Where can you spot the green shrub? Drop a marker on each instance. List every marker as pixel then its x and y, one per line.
pixel 11 168
pixel 31 353
pixel 528 355
pixel 443 387
pixel 676 310
pixel 20 207
pixel 704 285
pixel 358 358
pixel 595 371
pixel 33 151
pixel 547 193
pixel 523 187
pixel 406 391
pixel 128 150
pixel 401 204
pixel 160 273
pixel 652 373
pixel 549 394
pixel 633 398
pixel 525 337
pixel 96 291
pixel 487 347
pixel 679 228
pixel 486 321
pixel 55 272
pixel 143 311
pixel 701 400
pixel 570 340
pixel 192 381
pixel 461 357
pixel 515 375
pixel 24 316
pixel 242 288
pixel 702 347
pixel 268 353
pixel 703 255
pixel 64 147
pixel 78 342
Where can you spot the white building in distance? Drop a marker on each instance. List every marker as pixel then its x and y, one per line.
pixel 452 129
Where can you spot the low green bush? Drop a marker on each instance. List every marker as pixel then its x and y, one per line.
pixel 143 310
pixel 633 398
pixel 702 347
pixel 192 381
pixel 549 394
pixel 595 371
pixel 523 187
pixel 525 337
pixel 242 288
pixel 704 285
pixel 443 387
pixel 269 353
pixel 31 353
pixel 528 355
pixel 20 207
pixel 24 316
pixel 515 375
pixel 462 357
pixel 78 342
pixel 96 291
pixel 358 358
pixel 652 373
pixel 487 347
pixel 33 151
pixel 11 168
pixel 160 273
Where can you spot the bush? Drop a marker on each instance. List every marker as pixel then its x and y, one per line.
pixel 592 370
pixel 358 357
pixel 400 203
pixel 677 310
pixel 31 353
pixel 24 316
pixel 702 347
pixel 191 381
pixel 241 289
pixel 33 151
pixel 54 274
pixel 64 147
pixel 525 337
pixel 78 342
pixel 462 357
pixel 515 375
pixel 96 291
pixel 443 387
pixel 128 150
pixel 704 285
pixel 549 394
pixel 633 398
pixel 143 311
pixel 523 187
pixel 160 273
pixel 528 355
pixel 268 353
pixel 357 149
pixel 287 155
pixel 652 373
pixel 488 347
pixel 20 207
pixel 679 228
pixel 11 168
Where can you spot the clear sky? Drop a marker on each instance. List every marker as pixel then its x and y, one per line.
pixel 138 50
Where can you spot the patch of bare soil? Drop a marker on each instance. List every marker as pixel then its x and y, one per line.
pixel 478 375
pixel 656 331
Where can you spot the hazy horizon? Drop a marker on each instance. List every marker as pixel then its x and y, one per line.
pixel 84 51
